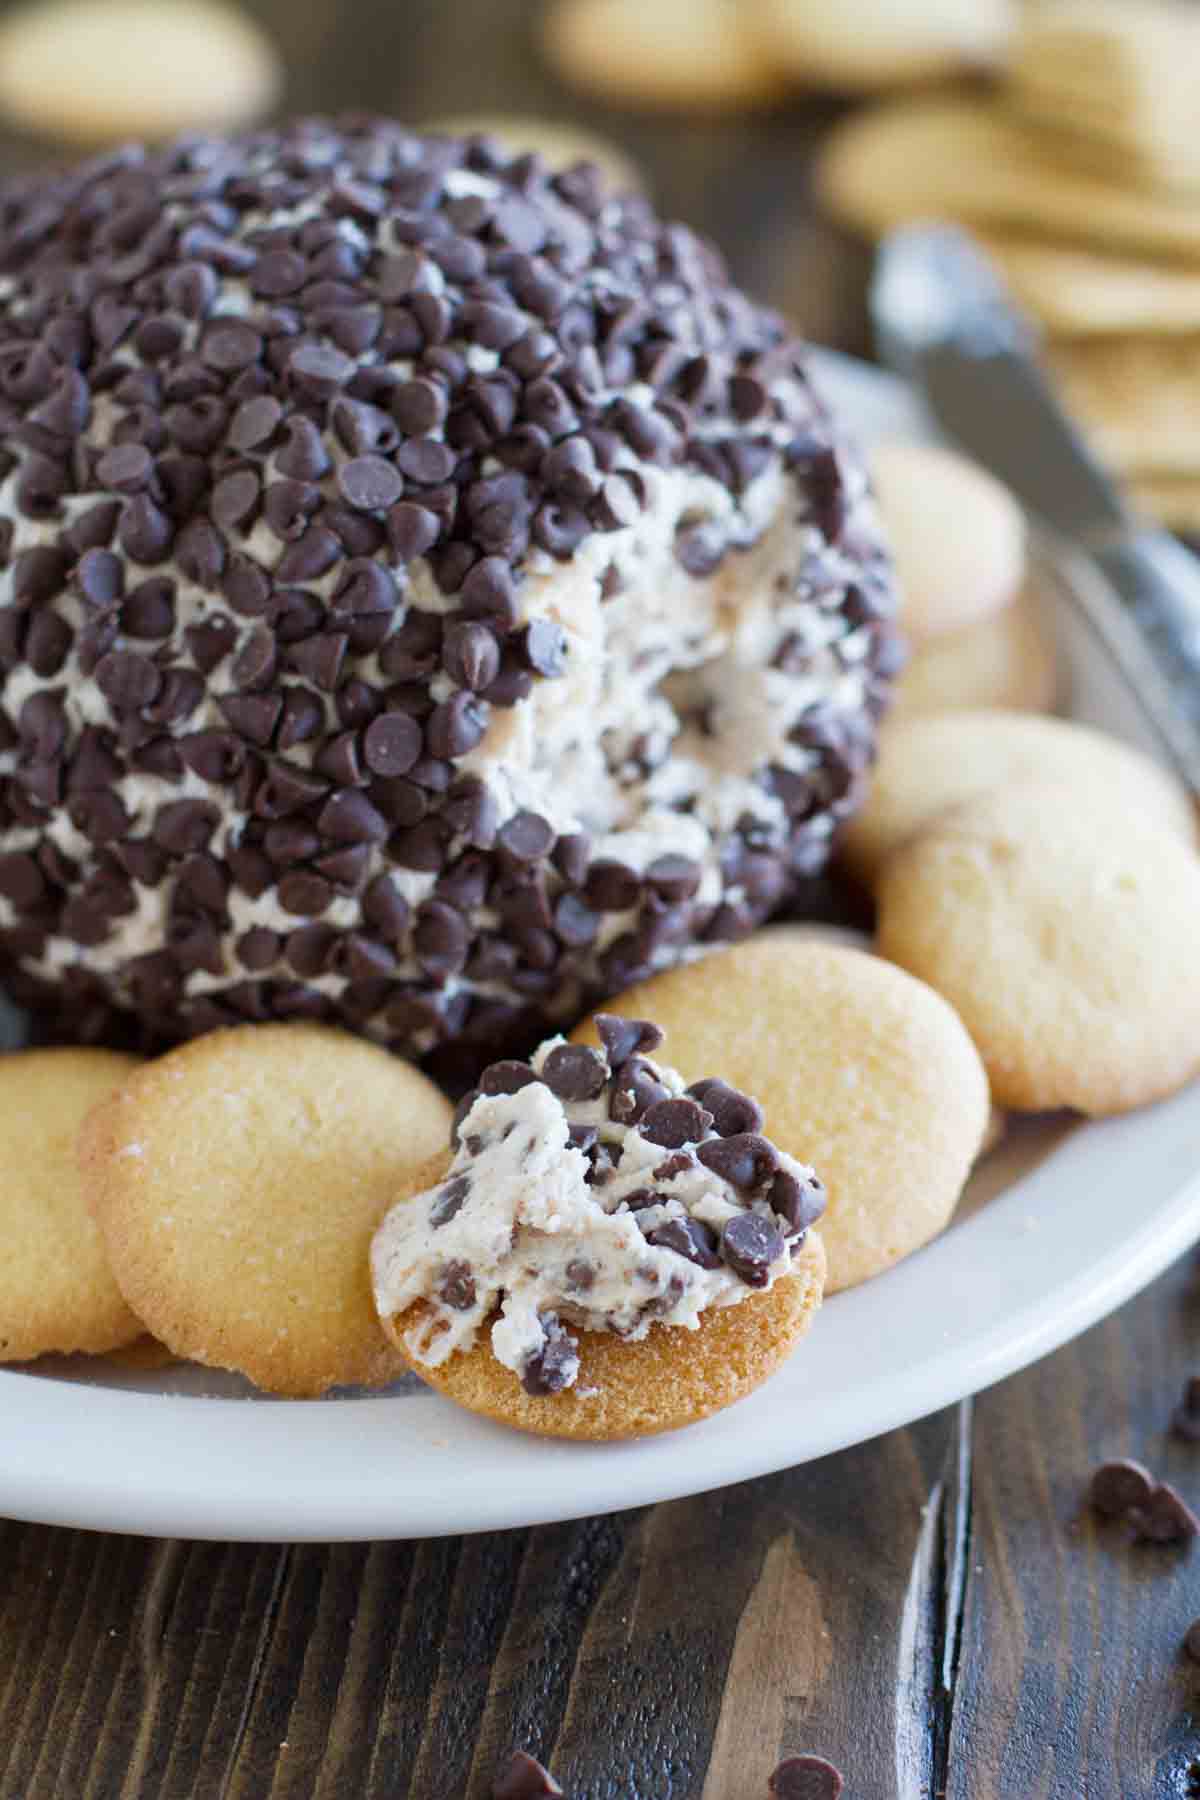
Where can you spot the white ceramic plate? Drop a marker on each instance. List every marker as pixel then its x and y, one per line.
pixel 1060 1226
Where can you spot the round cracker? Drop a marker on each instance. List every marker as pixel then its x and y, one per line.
pixel 862 1071
pixel 93 71
pixel 1006 661
pixel 1066 943
pixel 877 44
pixel 957 156
pixel 560 142
pixel 57 1292
pixel 670 1378
pixel 927 765
pixel 238 1181
pixel 673 53
pixel 956 534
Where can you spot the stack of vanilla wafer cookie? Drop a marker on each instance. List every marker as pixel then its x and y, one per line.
pixel 1081 174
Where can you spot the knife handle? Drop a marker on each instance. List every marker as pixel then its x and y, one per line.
pixel 1157 582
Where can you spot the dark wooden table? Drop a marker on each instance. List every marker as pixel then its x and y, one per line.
pixel 933 1610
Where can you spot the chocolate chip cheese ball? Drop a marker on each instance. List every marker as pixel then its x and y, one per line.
pixel 432 594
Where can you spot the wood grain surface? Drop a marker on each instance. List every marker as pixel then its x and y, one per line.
pixel 931 1611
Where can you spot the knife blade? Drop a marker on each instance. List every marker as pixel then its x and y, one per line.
pixel 944 319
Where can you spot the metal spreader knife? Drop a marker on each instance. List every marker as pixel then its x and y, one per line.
pixel 944 320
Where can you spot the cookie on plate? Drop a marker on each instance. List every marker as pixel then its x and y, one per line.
pixel 1008 661
pixel 865 44
pixel 927 765
pixel 94 71
pixel 703 54
pixel 859 1068
pixel 607 1253
pixel 957 537
pixel 955 156
pixel 57 1292
pixel 1065 937
pixel 237 1182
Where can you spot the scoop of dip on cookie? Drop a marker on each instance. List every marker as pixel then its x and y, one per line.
pixel 590 1190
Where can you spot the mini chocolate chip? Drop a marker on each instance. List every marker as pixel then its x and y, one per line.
pixel 304 893
pixel 635 1087
pixel 471 808
pixel 623 1038
pixel 255 422
pixel 254 664
pixel 582 1137
pixel 349 818
pixel 674 877
pixel 674 1122
pixel 457 725
pixel 745 1160
pixel 798 1203
pixel 412 530
pixel 611 887
pixel 149 611
pixel 805 1778
pixel 575 924
pixel 184 826
pixel 456 1286
pixel 440 938
pixel 369 483
pixel 551 1368
pixel 1164 1517
pixel 234 499
pixel 506 1078
pixel 258 948
pixel 215 756
pixel 386 909
pixel 1118 1486
pixel 253 716
pixel 526 837
pixel 21 881
pixel 449 1199
pixel 309 949
pixel 544 647
pixel 750 1244
pixel 574 1073
pixel 471 655
pixel 100 577
pixel 689 1238
pixel 678 1163
pixel 733 1112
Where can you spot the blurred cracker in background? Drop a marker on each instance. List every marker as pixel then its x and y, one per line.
pixel 95 72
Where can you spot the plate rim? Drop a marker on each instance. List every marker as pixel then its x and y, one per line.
pixel 46 1417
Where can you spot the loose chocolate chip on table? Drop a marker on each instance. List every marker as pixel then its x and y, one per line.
pixel 1185 1420
pixel 1117 1486
pixel 574 1073
pixel 805 1778
pixel 674 1123
pixel 1164 1517
pixel 689 1238
pixel 521 1777
pixel 750 1245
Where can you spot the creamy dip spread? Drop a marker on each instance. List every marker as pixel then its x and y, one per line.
pixel 591 1190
